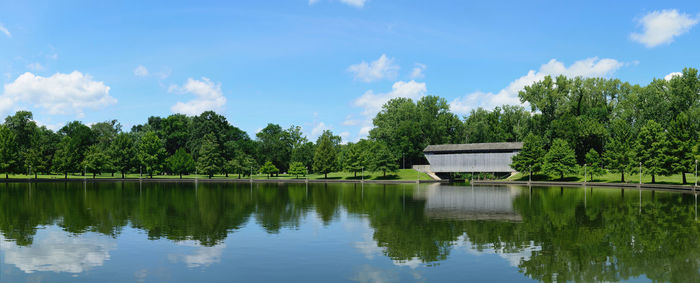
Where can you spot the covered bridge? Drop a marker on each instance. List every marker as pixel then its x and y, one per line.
pixel 472 157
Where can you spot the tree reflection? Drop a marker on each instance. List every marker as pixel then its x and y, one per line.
pixel 579 235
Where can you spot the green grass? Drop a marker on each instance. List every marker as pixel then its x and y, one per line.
pixel 401 175
pixel 675 179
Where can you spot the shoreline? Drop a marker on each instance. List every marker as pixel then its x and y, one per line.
pixel 190 180
pixel 683 188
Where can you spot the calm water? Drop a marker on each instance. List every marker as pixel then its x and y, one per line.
pixel 119 232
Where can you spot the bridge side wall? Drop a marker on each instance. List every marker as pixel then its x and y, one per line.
pixel 471 162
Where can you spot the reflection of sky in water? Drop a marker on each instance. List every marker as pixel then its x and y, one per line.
pixel 57 251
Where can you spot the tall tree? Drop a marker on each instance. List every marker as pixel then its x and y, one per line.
pixel 682 138
pixel 275 145
pixel 123 153
pixel 325 157
pixel 96 160
pixel 531 157
pixel 40 153
pixel 653 150
pixel 181 162
pixel 354 158
pixel 151 153
pixel 8 150
pixel 210 160
pixel 381 159
pixel 594 165
pixel 65 159
pixel 81 136
pixel 618 149
pixel 560 159
pixel 398 126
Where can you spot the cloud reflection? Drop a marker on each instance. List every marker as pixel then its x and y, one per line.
pixel 57 251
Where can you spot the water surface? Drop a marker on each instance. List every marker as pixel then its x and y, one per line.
pixel 170 232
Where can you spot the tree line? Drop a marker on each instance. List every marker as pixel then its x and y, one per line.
pixel 179 145
pixel 602 123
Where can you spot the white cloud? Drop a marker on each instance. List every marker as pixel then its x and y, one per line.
pixel 318 130
pixel 590 67
pixel 311 2
pixel 202 256
pixel 382 68
pixel 140 71
pixel 56 251
pixel 418 71
pixel 59 93
pixel 355 3
pixel 671 75
pixel 661 27
pixel 208 93
pixel 350 121
pixel 371 103
pixel 4 30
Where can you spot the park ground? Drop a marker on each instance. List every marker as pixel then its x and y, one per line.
pixel 675 179
pixel 401 175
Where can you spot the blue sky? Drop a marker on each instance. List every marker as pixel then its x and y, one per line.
pixel 321 64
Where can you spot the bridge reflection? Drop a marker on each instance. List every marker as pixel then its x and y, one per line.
pixel 470 203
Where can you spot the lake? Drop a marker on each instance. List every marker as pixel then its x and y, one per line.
pixel 213 232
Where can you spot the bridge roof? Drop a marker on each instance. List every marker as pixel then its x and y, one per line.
pixel 474 147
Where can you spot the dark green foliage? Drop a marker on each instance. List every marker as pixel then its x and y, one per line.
pixel 269 169
pixel 531 157
pixel 325 157
pixel 682 136
pixel 296 169
pixel 618 153
pixel 503 124
pixel 8 150
pixel 594 166
pixel 653 150
pixel 560 159
pixel 96 160
pixel 356 156
pixel 151 153
pixel 381 159
pixel 210 161
pixel 181 162
pixel 65 159
pixel 123 153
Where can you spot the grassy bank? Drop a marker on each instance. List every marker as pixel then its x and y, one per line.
pixel 675 179
pixel 401 175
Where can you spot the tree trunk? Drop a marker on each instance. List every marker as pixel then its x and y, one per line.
pixel 122 175
pixel 561 176
pixel 384 173
pixel 684 180
pixel 623 176
pixel 35 175
pixel 325 176
pixel 112 174
pixel 180 175
pixel 355 174
pixel 93 175
pixel 150 175
pixel 239 175
pixel 530 175
pixel 653 178
pixel 7 176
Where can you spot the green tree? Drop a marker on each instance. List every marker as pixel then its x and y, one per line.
pixel 269 169
pixel 233 166
pixel 381 159
pixel 618 149
pixel 181 162
pixel 355 158
pixel 210 160
pixel 123 153
pixel 653 150
pixel 8 150
pixel 275 145
pixel 531 158
pixel 682 137
pixel 81 136
pixel 151 153
pixel 325 157
pixel 296 169
pixel 96 160
pixel 560 159
pixel 595 166
pixel 65 159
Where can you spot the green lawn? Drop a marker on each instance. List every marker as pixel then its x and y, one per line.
pixel 611 178
pixel 402 175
